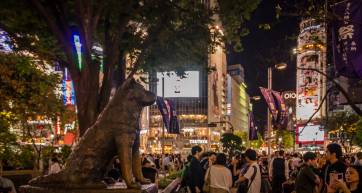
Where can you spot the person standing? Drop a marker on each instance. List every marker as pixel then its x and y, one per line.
pixel 278 172
pixel 219 176
pixel 353 183
pixel 252 173
pixel 307 179
pixel 358 159
pixel 333 166
pixel 196 174
pixel 166 162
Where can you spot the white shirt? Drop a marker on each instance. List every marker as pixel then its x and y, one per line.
pixel 54 168
pixel 256 183
pixel 166 160
pixel 220 177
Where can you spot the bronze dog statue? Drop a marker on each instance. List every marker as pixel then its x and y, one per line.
pixel 116 132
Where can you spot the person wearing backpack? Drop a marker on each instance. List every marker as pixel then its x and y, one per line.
pixel 250 181
pixel 185 172
pixel 278 172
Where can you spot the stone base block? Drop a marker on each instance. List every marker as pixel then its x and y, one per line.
pixel 33 189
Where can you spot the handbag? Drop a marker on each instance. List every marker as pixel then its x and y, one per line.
pixel 245 186
pixel 206 186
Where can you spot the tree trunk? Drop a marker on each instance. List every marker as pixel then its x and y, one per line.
pixel 87 95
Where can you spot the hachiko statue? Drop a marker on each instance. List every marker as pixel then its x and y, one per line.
pixel 116 132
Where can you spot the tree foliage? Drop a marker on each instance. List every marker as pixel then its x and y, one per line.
pixel 287 138
pixel 150 34
pixel 344 128
pixel 358 138
pixel 26 92
pixel 231 143
pixel 256 144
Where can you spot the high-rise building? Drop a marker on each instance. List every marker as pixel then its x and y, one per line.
pixel 311 85
pixel 238 102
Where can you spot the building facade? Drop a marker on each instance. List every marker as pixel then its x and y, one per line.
pixel 311 85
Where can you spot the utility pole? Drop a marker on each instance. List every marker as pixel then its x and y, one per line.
pixel 163 124
pixel 270 78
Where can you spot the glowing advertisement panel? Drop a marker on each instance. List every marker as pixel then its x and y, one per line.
pixel 311 134
pixel 176 86
pixel 308 86
pixel 68 92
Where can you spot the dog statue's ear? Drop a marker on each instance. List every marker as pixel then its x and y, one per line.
pixel 128 83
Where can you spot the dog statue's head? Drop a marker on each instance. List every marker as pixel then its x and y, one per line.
pixel 136 92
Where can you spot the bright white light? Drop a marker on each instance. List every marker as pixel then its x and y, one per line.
pixel 176 86
pixel 311 133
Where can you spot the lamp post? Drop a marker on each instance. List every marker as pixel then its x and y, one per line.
pixel 279 66
pixel 163 125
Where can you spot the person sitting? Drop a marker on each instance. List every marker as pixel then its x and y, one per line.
pixel 6 185
pixel 148 171
pixel 55 166
pixel 353 182
pixel 358 160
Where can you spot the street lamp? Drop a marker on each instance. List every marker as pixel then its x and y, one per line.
pixel 255 98
pixel 279 66
pixel 214 124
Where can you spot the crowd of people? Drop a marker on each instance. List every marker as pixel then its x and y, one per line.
pixel 250 172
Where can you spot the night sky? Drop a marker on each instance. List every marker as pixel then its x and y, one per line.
pixel 265 48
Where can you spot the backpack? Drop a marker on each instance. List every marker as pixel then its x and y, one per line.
pixel 278 167
pixel 245 185
pixel 185 175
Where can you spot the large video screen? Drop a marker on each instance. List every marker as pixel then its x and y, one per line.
pixel 310 134
pixel 176 86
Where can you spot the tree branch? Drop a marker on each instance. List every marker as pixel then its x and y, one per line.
pixel 152 36
pixel 339 87
pixel 112 53
pixel 60 36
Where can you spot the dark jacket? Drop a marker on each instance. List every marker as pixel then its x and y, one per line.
pixel 196 175
pixel 305 182
pixel 338 167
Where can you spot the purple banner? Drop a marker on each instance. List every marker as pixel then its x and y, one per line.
pixel 347 38
pixel 253 134
pixel 164 110
pixel 174 122
pixel 270 101
pixel 282 118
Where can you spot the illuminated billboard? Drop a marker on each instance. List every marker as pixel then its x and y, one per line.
pixel 4 42
pixel 310 134
pixel 311 85
pixel 308 85
pixel 68 92
pixel 176 86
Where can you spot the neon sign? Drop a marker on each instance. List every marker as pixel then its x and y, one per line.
pixel 68 92
pixel 78 47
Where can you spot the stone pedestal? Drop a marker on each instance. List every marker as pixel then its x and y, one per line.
pixel 33 189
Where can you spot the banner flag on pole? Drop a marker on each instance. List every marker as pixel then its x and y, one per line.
pixel 253 134
pixel 347 38
pixel 164 110
pixel 282 118
pixel 269 99
pixel 174 122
